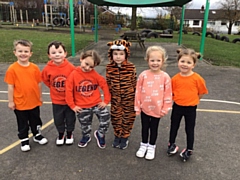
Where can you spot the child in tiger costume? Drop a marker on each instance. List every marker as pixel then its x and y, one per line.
pixel 121 78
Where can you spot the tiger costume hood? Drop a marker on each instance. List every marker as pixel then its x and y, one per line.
pixel 119 45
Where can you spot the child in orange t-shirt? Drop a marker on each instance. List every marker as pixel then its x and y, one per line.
pixel 188 88
pixel 24 94
pixel 54 76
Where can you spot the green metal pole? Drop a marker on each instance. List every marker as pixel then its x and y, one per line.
pixel 181 26
pixel 95 24
pixel 204 28
pixel 72 27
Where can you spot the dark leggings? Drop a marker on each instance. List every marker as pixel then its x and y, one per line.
pixel 189 114
pixel 149 123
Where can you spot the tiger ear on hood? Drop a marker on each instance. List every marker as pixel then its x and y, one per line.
pixel 110 43
pixel 128 44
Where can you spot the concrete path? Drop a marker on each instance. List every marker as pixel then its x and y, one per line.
pixel 217 148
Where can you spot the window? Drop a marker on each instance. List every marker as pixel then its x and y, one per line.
pixel 186 23
pixel 223 23
pixel 211 23
pixel 237 23
pixel 196 22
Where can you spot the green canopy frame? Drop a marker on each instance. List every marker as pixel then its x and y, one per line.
pixel 143 3
pixel 137 3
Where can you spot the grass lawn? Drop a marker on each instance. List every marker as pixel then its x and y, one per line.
pixel 40 41
pixel 216 52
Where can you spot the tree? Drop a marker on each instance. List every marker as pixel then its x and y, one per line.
pixel 134 18
pixel 231 12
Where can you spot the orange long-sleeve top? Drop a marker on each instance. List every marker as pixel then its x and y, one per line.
pixel 25 80
pixel 186 89
pixel 153 93
pixel 82 89
pixel 55 76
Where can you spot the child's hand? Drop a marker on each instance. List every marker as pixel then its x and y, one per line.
pixel 11 105
pixel 137 113
pixel 77 109
pixel 162 114
pixel 102 105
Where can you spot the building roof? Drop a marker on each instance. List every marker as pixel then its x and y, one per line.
pixel 214 14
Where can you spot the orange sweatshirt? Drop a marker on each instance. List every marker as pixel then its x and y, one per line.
pixel 153 94
pixel 26 81
pixel 186 89
pixel 82 89
pixel 54 76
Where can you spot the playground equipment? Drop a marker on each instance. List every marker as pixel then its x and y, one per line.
pixel 56 13
pixel 7 12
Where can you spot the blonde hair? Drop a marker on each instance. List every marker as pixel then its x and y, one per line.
pixel 156 48
pixel 91 53
pixel 188 52
pixel 23 42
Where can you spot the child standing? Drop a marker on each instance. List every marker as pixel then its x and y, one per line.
pixel 153 99
pixel 83 97
pixel 121 79
pixel 24 94
pixel 188 88
pixel 54 76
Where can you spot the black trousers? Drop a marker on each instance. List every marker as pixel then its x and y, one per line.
pixel 149 126
pixel 26 118
pixel 189 114
pixel 64 118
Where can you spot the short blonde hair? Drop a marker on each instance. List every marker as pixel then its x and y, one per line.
pixel 23 42
pixel 156 48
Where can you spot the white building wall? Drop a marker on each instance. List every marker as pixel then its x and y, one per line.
pixel 217 27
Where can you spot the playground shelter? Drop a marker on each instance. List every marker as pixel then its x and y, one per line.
pixel 147 3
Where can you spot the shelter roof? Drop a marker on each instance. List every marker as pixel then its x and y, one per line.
pixel 142 3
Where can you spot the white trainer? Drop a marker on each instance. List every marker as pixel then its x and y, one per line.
pixel 150 152
pixel 142 150
pixel 25 148
pixel 70 140
pixel 40 139
pixel 59 142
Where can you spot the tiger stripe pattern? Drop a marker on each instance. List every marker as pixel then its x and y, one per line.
pixel 122 85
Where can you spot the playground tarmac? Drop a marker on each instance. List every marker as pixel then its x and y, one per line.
pixel 216 149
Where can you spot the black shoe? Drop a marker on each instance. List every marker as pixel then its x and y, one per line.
pixel 116 142
pixel 172 149
pixel 124 143
pixel 185 154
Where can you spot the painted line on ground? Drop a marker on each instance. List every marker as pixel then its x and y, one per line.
pixel 18 142
pixel 220 101
pixel 201 110
pixel 220 111
pixel 44 102
pixel 5 92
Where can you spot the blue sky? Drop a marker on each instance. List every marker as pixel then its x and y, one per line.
pixel 152 12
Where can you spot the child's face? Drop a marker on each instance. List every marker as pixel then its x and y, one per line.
pixel 87 64
pixel 155 61
pixel 23 53
pixel 119 56
pixel 186 65
pixel 57 55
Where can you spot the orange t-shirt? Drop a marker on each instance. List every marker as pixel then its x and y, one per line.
pixel 186 89
pixel 26 94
